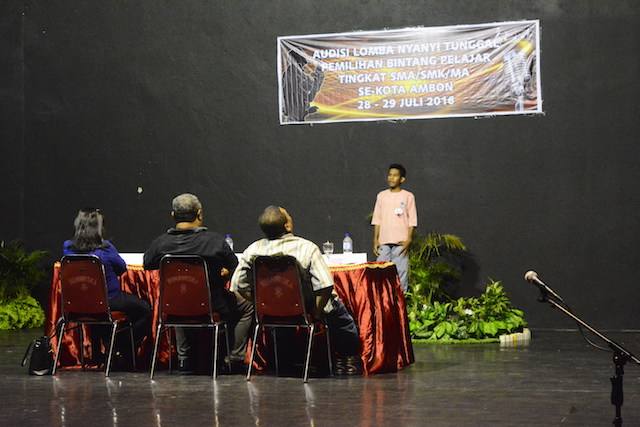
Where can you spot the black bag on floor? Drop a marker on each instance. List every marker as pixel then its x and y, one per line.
pixel 41 361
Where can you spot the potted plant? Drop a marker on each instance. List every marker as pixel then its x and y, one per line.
pixel 436 262
pixel 20 272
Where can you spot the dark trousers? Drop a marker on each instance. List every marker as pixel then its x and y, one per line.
pixel 238 317
pixel 345 338
pixel 139 313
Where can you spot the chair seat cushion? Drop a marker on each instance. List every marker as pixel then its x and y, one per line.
pixel 119 316
pixel 204 320
pixel 286 320
pixel 87 317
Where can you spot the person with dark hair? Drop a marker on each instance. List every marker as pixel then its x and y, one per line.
pixel 190 237
pixel 89 232
pixel 394 218
pixel 277 226
pixel 272 221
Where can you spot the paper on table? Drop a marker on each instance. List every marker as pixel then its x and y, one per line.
pixel 348 258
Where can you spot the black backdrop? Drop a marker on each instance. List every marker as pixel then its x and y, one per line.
pixel 100 98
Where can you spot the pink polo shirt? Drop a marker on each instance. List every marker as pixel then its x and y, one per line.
pixel 394 212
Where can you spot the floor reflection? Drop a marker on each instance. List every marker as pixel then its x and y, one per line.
pixel 556 379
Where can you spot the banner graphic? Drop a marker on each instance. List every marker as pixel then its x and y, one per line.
pixel 411 73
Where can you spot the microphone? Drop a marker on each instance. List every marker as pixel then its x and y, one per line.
pixel 515 66
pixel 532 277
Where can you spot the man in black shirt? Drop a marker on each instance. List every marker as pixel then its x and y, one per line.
pixel 190 237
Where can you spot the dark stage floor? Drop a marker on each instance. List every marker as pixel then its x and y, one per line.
pixel 557 380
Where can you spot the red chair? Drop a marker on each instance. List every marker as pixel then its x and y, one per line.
pixel 281 301
pixel 83 291
pixel 185 302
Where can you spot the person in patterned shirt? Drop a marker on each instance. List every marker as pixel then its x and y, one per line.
pixel 277 225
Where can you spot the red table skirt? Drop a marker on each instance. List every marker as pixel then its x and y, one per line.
pixel 370 291
pixel 373 295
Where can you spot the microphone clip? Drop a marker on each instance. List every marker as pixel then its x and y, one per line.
pixel 544 294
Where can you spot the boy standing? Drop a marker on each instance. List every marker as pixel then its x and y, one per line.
pixel 394 218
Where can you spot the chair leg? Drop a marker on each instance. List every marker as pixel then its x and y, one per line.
pixel 155 350
pixel 60 336
pixel 275 350
pixel 111 343
pixel 306 363
pixel 226 339
pixel 170 341
pixel 215 350
pixel 253 351
pixel 329 354
pixel 133 347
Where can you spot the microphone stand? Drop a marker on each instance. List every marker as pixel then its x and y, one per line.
pixel 620 354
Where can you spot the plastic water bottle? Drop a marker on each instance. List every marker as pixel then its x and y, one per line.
pixel 347 244
pixel 229 240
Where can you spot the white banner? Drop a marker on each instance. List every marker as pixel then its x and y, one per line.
pixel 411 73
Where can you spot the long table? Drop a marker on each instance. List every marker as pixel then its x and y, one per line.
pixel 371 292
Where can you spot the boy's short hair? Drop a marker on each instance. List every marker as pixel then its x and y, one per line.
pixel 403 171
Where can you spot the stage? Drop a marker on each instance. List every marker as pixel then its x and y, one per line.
pixel 557 380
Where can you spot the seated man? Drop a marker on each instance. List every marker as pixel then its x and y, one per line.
pixel 277 226
pixel 189 237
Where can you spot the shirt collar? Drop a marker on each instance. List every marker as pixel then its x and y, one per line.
pixel 284 236
pixel 174 230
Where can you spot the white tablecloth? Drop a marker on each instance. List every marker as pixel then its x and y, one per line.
pixel 350 258
pixel 135 258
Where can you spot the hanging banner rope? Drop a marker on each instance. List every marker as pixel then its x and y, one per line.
pixel 411 73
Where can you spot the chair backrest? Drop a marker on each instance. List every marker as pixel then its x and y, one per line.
pixel 83 288
pixel 184 288
pixel 278 287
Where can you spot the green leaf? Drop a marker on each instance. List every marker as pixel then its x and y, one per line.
pixel 20 270
pixel 21 312
pixel 452 328
pixel 489 328
pixel 440 330
pixel 426 323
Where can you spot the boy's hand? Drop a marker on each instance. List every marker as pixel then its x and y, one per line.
pixel 376 248
pixel 405 246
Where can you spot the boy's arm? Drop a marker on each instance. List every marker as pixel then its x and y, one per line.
pixel 413 222
pixel 407 242
pixel 375 221
pixel 376 239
